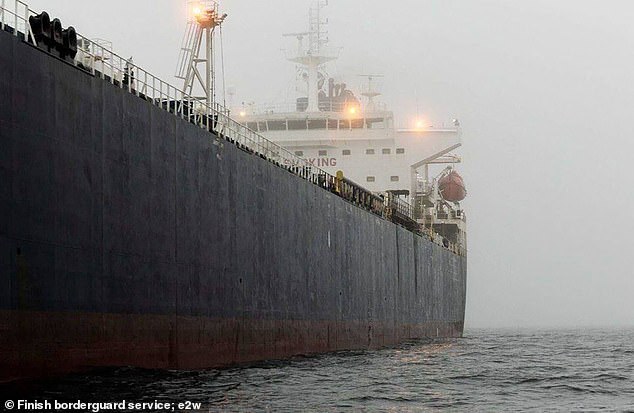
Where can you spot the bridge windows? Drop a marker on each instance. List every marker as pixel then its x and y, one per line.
pixel 317 123
pixel 299 153
pixel 346 152
pixel 386 151
pixel 400 151
pixel 375 123
pixel 277 125
pixel 394 178
pixel 323 153
pixel 369 151
pixel 297 124
pixel 370 179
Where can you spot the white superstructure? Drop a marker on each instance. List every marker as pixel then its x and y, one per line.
pixel 365 146
pixel 337 131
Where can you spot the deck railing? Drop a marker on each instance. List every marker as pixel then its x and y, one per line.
pixel 15 14
pixel 98 59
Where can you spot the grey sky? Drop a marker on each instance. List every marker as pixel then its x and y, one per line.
pixel 543 88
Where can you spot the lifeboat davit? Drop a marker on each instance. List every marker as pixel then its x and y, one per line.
pixel 452 187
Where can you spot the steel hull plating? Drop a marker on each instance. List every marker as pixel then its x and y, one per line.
pixel 131 237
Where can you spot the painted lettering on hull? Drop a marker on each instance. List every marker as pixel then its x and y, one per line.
pixel 322 161
pixel 319 162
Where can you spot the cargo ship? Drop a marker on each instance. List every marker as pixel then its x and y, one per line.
pixel 142 225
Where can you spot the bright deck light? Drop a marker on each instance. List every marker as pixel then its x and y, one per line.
pixel 352 110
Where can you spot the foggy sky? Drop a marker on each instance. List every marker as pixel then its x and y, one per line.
pixel 543 89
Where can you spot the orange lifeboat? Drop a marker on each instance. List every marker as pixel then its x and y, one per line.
pixel 452 187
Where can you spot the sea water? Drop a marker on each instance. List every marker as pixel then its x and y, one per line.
pixel 487 370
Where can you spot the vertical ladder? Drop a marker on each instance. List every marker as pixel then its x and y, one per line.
pixel 190 49
pixel 196 66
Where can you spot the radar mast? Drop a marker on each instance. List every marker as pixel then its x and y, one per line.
pixel 315 54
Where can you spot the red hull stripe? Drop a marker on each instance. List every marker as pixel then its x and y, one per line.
pixel 38 344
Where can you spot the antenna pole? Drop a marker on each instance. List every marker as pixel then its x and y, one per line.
pixel 314 55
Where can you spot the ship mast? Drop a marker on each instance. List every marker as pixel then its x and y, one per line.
pixel 315 54
pixel 197 50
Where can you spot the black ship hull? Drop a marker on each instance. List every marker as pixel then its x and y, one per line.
pixel 129 236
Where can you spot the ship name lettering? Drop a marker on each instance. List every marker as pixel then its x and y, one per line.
pixel 313 161
pixel 322 161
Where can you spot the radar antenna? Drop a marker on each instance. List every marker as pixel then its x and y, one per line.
pixel 198 49
pixel 370 91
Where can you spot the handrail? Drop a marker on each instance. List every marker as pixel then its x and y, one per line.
pixel 123 73
pixel 102 62
pixel 401 206
pixel 16 17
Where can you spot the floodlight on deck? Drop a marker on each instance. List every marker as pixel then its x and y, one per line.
pixel 208 19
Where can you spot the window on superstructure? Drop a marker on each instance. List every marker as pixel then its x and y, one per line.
pixel 375 123
pixel 346 152
pixel 317 124
pixel 369 151
pixel 387 151
pixel 276 125
pixel 299 153
pixel 400 151
pixel 370 179
pixel 394 178
pixel 297 125
pixel 323 153
pixel 356 124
